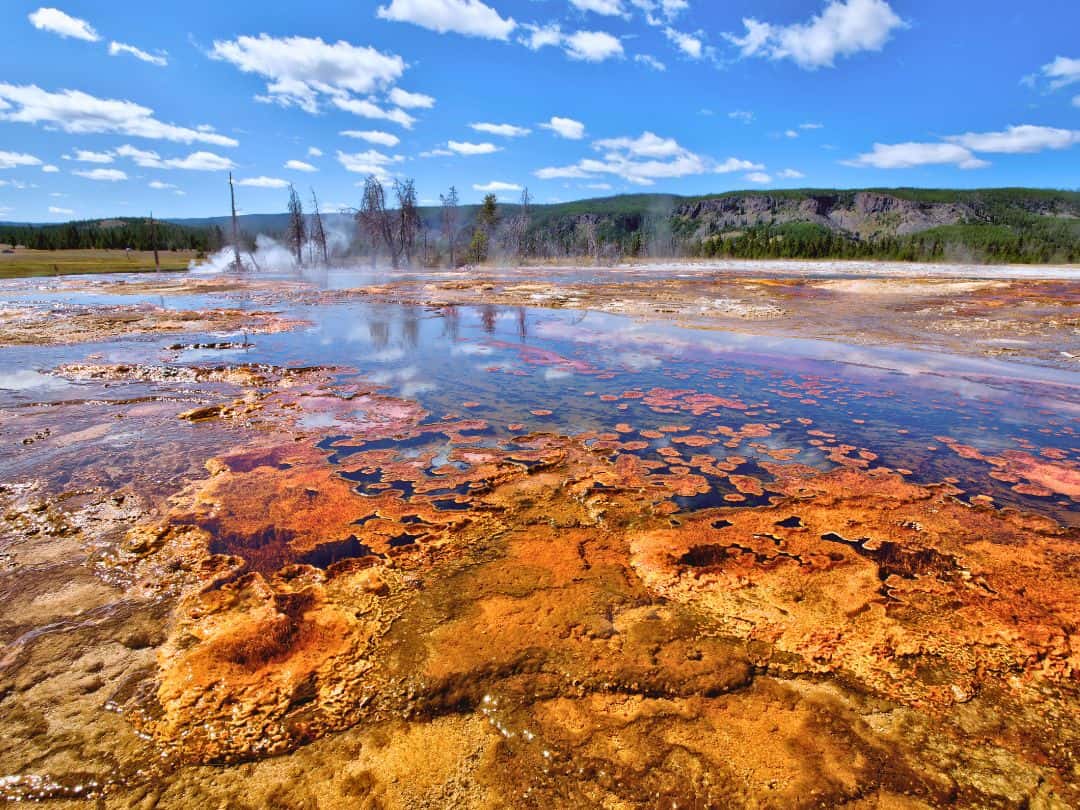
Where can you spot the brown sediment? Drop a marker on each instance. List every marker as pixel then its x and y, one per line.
pixel 32 326
pixel 614 656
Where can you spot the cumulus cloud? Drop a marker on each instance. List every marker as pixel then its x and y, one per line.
pixel 736 165
pixel 745 116
pixel 505 130
pixel 432 153
pixel 102 175
pixel 610 8
pixel 658 12
pixel 117 48
pixel 48 168
pixel 370 162
pixel 565 128
pixel 844 28
pixel 196 161
pixel 496 185
pixel 87 156
pixel 158 185
pixel 689 44
pixel 592 46
pixel 303 71
pixel 263 182
pixel 583 46
pixel 55 21
pixel 369 109
pixel 1018 139
pixel 913 155
pixel 371 136
pixel 314 151
pixel 55 210
pixel 643 160
pixel 80 113
pixel 466 148
pixel 410 101
pixel 299 166
pixel 469 17
pixel 791 174
pixel 758 177
pixel 650 61
pixel 12 160
pixel 1057 74
pixel 811 126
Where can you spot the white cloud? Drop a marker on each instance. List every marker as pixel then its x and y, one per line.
pixel 466 148
pixel 542 36
pixel 57 22
pixel 496 185
pixel 505 130
pixel 431 153
pixel 1076 101
pixel 103 175
pixel 263 182
pixel 791 174
pixel 583 46
pixel 410 101
pixel 116 48
pixel 913 155
pixel 200 161
pixel 610 8
pixel 79 113
pixel 369 162
pixel 811 126
pixel 642 160
pixel 369 109
pixel 736 165
pixel 745 116
pixel 592 46
pixel 647 144
pixel 657 12
pixel 844 28
pixel 791 133
pixel 196 161
pixel 86 156
pixel 565 128
pixel 48 168
pixel 469 17
pixel 371 136
pixel 1062 72
pixel 314 151
pixel 299 166
pixel 55 210
pixel 599 186
pixel 157 185
pixel 689 44
pixel 758 177
pixel 302 71
pixel 11 160
pixel 1018 139
pixel 650 61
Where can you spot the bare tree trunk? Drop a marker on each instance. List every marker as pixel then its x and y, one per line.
pixel 318 234
pixel 235 228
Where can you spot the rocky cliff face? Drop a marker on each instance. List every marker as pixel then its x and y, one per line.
pixel 862 214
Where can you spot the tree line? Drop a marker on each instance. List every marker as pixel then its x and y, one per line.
pixel 117 234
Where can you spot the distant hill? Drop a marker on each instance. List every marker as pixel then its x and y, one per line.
pixel 982 225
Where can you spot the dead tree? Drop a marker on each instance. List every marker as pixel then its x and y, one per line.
pixel 408 219
pixel 237 265
pixel 450 219
pixel 297 232
pixel 376 222
pixel 318 233
pixel 521 225
pixel 588 227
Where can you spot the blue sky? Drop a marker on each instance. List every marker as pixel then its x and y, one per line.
pixel 122 107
